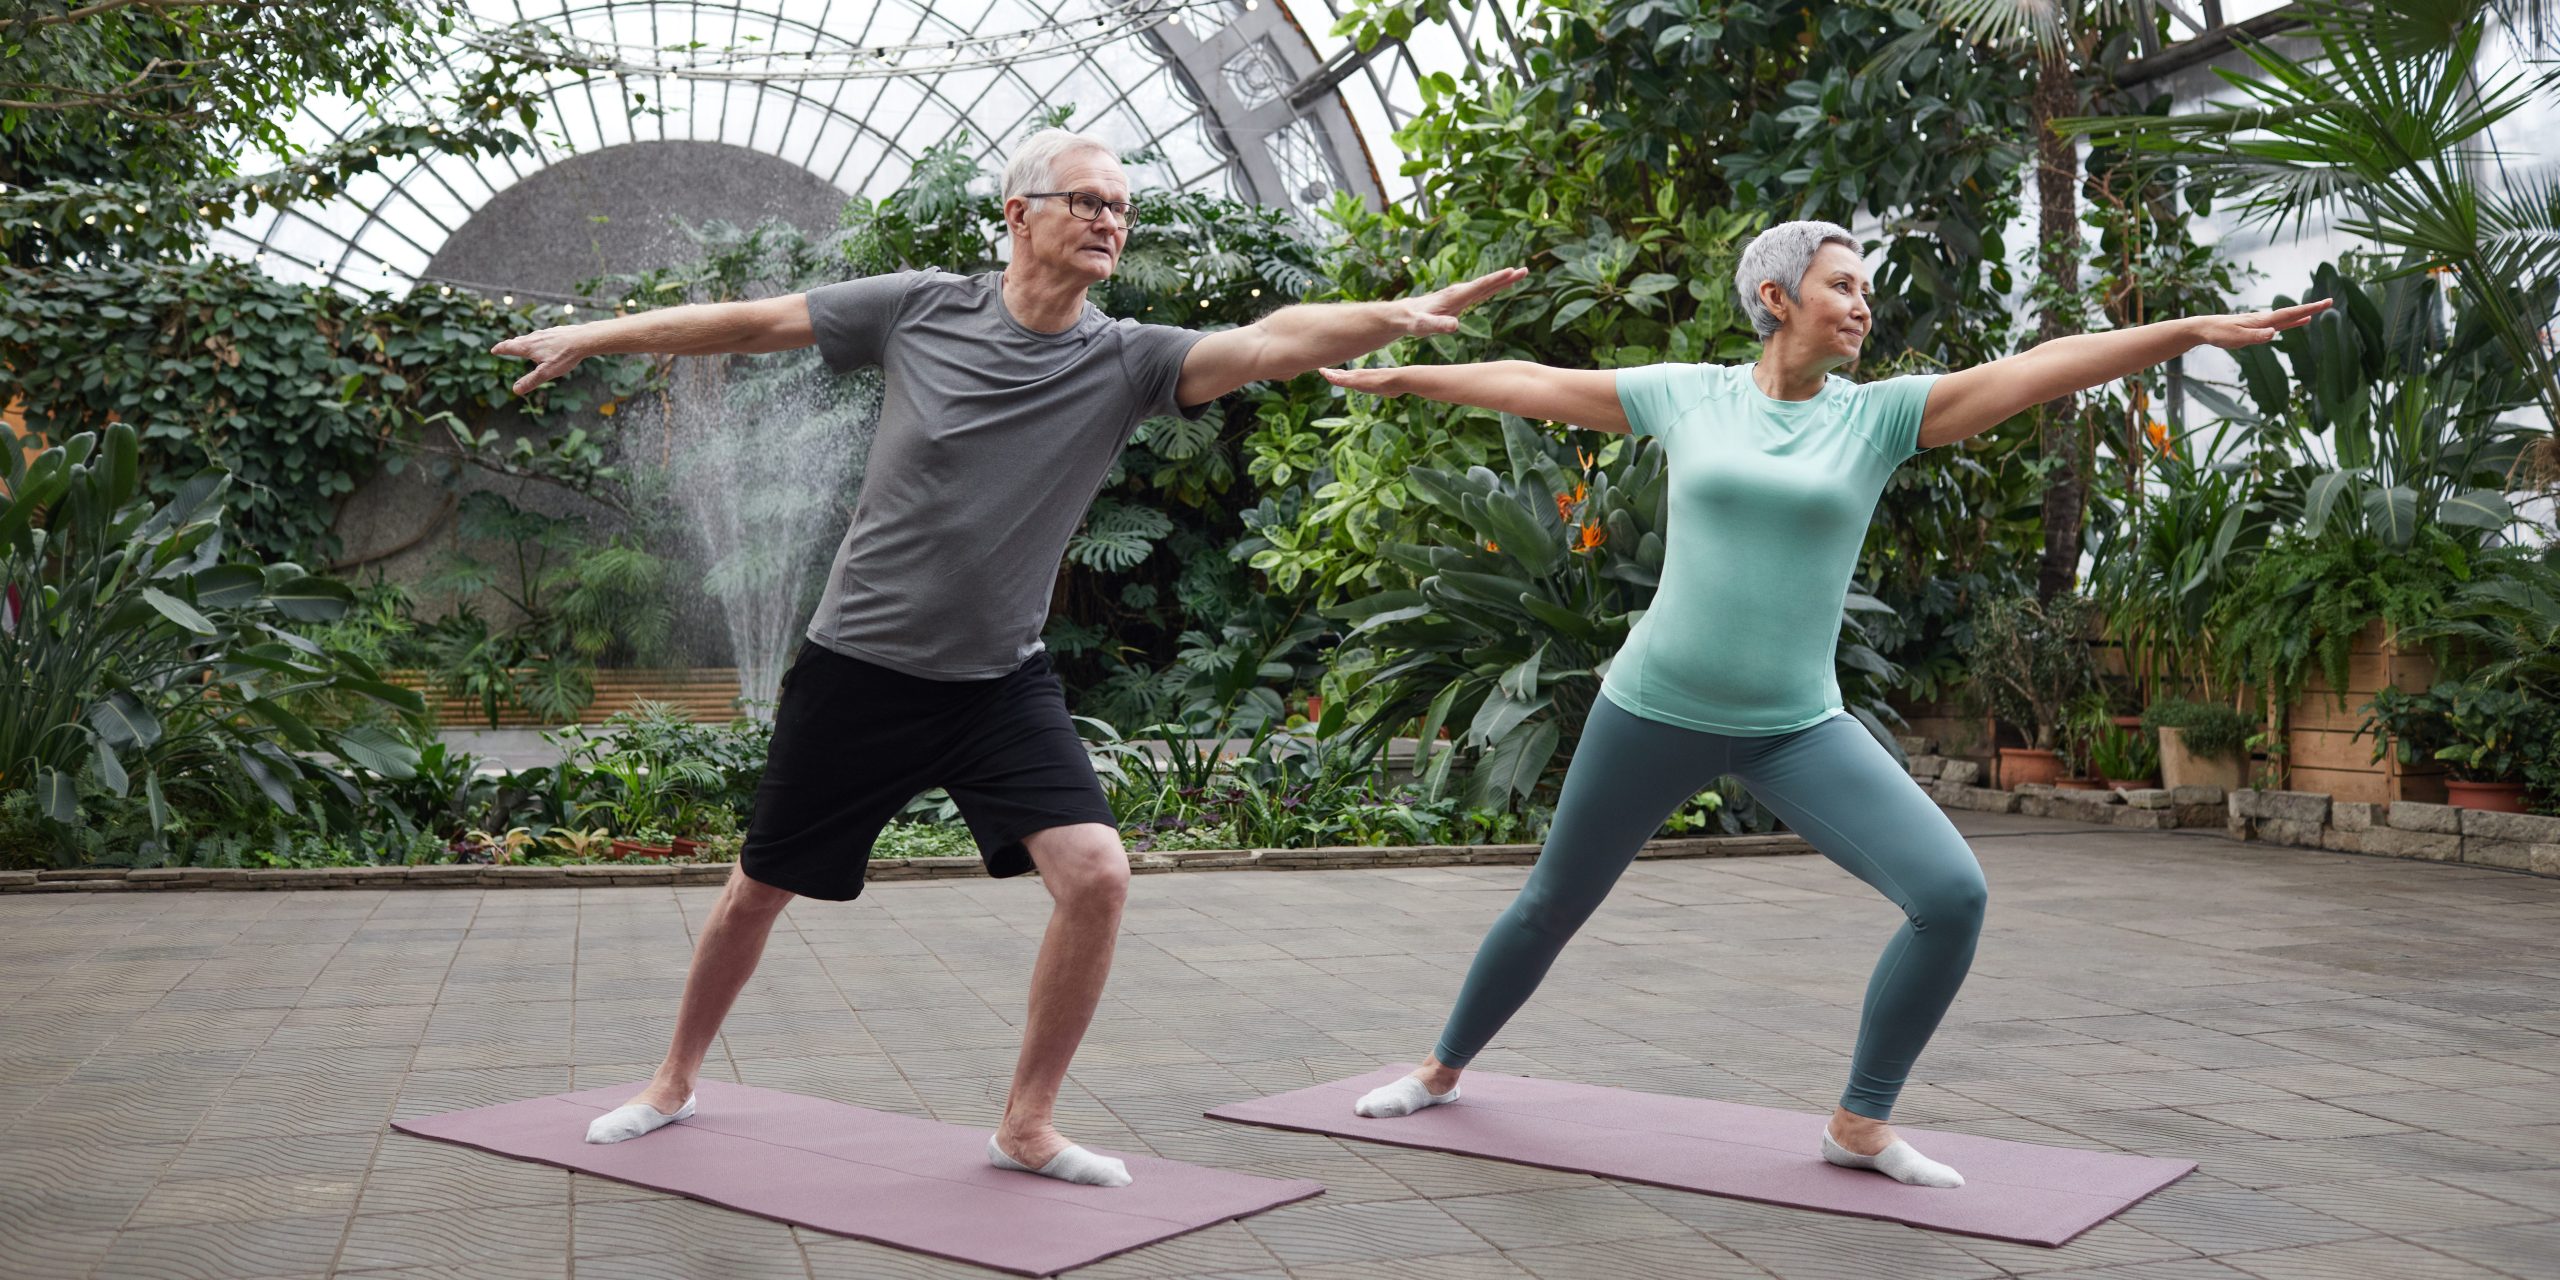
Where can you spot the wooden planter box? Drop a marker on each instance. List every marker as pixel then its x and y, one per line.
pixel 2324 753
pixel 706 695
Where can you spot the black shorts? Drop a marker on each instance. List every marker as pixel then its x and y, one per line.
pixel 853 742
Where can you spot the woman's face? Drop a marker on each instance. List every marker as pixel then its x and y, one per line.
pixel 1830 314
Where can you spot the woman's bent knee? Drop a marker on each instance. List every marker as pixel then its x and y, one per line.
pixel 1956 905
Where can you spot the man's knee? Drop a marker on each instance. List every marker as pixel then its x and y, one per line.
pixel 751 896
pixel 1085 866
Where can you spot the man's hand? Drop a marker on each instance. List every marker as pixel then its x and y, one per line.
pixel 554 352
pixel 2251 328
pixel 1293 340
pixel 1438 311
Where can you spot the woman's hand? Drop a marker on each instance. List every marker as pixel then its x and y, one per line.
pixel 1380 381
pixel 554 352
pixel 2251 328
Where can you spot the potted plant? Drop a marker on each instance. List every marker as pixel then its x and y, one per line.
pixel 647 842
pixel 2030 661
pixel 2124 757
pixel 2202 744
pixel 2482 734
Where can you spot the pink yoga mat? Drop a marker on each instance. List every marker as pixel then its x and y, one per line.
pixel 914 1184
pixel 2013 1190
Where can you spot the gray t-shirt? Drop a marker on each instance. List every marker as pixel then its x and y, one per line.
pixel 993 440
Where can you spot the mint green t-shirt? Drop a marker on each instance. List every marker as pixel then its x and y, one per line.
pixel 1769 504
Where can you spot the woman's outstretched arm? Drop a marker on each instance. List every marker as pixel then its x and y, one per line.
pixel 1582 397
pixel 1977 399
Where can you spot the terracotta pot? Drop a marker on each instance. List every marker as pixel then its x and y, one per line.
pixel 2180 767
pixel 2078 784
pixel 635 849
pixel 2133 784
pixel 2022 765
pixel 1315 707
pixel 685 849
pixel 2495 797
pixel 2126 722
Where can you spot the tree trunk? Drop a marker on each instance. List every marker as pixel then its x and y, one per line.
pixel 2061 434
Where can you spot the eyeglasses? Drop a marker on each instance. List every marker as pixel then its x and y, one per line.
pixel 1088 206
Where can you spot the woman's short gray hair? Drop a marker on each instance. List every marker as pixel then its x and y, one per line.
pixel 1782 254
pixel 1034 164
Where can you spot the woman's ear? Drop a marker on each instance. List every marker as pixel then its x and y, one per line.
pixel 1775 299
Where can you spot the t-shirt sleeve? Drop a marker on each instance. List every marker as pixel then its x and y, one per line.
pixel 1892 410
pixel 852 319
pixel 1154 354
pixel 1655 395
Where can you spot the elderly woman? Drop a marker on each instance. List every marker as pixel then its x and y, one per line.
pixel 1774 467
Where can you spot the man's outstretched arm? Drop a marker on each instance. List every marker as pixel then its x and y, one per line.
pixel 1293 340
pixel 704 329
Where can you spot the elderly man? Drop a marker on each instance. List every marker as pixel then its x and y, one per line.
pixel 1008 394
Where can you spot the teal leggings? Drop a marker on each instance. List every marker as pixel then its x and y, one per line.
pixel 1835 785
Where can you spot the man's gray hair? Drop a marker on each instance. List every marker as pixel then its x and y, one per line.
pixel 1783 254
pixel 1034 165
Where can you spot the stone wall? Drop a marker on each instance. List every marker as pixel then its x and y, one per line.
pixel 2300 819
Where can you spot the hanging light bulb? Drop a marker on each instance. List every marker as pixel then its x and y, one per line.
pixel 509 299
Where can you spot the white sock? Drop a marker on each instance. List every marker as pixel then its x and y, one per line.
pixel 632 1119
pixel 1898 1162
pixel 1402 1098
pixel 1075 1164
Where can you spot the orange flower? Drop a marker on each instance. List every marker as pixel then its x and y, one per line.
pixel 1567 502
pixel 2159 433
pixel 1490 547
pixel 1584 455
pixel 1591 538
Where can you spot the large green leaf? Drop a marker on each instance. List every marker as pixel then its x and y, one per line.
pixel 1517 530
pixel 57 794
pixel 382 752
pixel 122 720
pixel 311 599
pixel 2477 508
pixel 178 611
pixel 2393 514
pixel 1516 763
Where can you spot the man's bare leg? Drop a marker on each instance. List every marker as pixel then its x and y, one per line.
pixel 1086 872
pixel 724 957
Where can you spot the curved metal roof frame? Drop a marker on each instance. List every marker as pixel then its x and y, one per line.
pixel 1247 98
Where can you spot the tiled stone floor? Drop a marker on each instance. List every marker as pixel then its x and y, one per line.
pixel 2364 1055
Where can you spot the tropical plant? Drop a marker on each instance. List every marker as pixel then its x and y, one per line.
pixel 2506 622
pixel 2204 728
pixel 2481 732
pixel 2304 599
pixel 121 124
pixel 2388 121
pixel 2030 663
pixel 136 657
pixel 2391 418
pixel 573 598
pixel 2119 754
pixel 2175 547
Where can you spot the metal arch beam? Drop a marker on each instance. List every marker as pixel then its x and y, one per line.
pixel 1250 43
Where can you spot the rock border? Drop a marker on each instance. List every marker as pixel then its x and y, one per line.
pixel 165 879
pixel 2524 842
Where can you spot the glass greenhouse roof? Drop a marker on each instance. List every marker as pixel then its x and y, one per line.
pixel 1249 98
